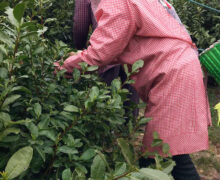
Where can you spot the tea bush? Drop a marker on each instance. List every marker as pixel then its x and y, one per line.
pixel 57 128
pixel 202 24
pixel 55 14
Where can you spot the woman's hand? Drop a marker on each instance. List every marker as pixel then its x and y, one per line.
pixel 74 53
pixel 59 67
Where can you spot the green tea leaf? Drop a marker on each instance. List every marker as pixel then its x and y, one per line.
pixel 49 134
pixel 165 148
pixel 28 24
pixel 3 49
pixel 67 115
pixel 5 118
pixel 28 34
pixel 67 150
pixel 10 139
pixel 42 154
pixel 137 65
pixel 39 50
pixel 67 175
pixel 44 121
pixel 19 162
pixel 137 176
pixel 94 93
pixel 130 82
pixel 5 92
pixel 126 70
pixel 19 11
pixel 3 5
pixel 217 107
pixel 35 166
pixel 42 31
pixel 120 169
pixel 33 129
pixel 144 121
pixel 154 174
pixel 98 168
pixel 130 127
pixel 71 108
pixel 84 66
pixel 169 168
pixel 10 100
pixel 50 20
pixel 52 88
pixel 156 135
pixel 12 19
pixel 76 74
pixel 126 151
pixel 87 155
pixel 3 73
pixel 5 39
pixel 156 142
pixel 92 68
pixel 21 88
pixel 23 122
pixel 79 174
pixel 1 57
pixel 9 131
pixel 141 105
pixel 116 83
pixel 37 109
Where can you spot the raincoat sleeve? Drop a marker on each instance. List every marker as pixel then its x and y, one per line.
pixel 81 22
pixel 115 28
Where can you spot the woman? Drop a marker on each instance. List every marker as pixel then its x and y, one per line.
pixel 171 80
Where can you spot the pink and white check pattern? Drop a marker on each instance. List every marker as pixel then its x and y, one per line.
pixel 171 79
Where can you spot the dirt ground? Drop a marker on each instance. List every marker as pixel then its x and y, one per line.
pixel 208 162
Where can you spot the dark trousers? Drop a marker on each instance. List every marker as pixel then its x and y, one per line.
pixel 184 169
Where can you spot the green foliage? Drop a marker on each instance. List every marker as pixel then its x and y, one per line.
pixel 57 15
pixel 59 19
pixel 127 151
pixel 19 162
pixel 57 128
pixel 98 168
pixel 203 24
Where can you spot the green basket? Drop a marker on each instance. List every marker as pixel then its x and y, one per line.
pixel 210 59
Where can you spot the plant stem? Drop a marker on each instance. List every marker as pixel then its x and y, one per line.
pixel 123 175
pixel 104 160
pixel 14 53
pixel 47 172
pixel 41 16
pixel 16 44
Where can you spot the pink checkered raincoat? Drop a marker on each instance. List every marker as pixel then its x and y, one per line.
pixel 171 81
